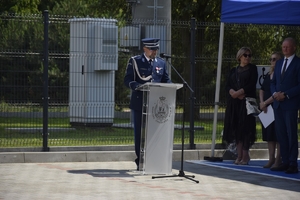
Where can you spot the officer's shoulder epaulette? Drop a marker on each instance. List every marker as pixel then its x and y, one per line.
pixel 159 58
pixel 137 57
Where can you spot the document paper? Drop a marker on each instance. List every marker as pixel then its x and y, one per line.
pixel 268 117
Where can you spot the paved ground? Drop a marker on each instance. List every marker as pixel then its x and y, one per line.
pixel 119 180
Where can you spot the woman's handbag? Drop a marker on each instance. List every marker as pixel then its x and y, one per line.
pixel 252 107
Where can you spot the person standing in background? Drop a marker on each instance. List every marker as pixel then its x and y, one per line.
pixel 143 68
pixel 268 133
pixel 238 126
pixel 285 89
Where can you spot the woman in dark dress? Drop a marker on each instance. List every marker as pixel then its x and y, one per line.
pixel 238 126
pixel 268 133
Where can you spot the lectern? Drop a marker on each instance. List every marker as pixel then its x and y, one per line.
pixel 158 115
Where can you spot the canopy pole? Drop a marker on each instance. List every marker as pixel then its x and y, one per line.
pixel 217 94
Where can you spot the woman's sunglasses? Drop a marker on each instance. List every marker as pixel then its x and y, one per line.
pixel 247 55
pixel 272 59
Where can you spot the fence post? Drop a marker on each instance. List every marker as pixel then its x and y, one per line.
pixel 192 76
pixel 45 81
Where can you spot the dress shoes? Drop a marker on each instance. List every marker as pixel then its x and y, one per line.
pixel 292 170
pixel 237 161
pixel 281 167
pixel 244 162
pixel 269 164
pixel 137 164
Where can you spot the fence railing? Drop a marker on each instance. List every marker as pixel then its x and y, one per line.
pixel 28 103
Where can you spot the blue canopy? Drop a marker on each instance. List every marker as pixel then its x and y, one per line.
pixel 261 12
pixel 252 12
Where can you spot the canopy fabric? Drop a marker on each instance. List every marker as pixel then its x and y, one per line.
pixel 261 12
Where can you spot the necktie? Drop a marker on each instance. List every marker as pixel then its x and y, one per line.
pixel 150 62
pixel 284 68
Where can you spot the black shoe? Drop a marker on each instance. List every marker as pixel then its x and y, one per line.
pixel 281 167
pixel 137 164
pixel 292 170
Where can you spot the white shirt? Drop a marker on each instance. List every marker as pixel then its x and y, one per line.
pixel 288 62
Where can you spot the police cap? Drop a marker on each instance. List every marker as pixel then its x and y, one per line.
pixel 151 43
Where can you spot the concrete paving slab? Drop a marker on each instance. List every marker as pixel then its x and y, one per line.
pixel 10 157
pixel 119 180
pixel 35 157
pixel 106 156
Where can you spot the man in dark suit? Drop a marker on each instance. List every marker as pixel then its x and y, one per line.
pixel 285 88
pixel 141 69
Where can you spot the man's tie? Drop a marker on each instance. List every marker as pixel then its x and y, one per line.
pixel 150 62
pixel 284 68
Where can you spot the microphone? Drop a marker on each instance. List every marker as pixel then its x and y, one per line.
pixel 163 55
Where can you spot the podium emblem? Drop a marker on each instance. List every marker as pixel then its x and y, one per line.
pixel 161 110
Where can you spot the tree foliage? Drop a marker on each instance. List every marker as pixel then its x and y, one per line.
pixel 204 10
pixel 20 6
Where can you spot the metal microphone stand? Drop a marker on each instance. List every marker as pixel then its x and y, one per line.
pixel 181 172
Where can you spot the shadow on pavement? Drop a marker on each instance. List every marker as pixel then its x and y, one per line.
pixel 102 173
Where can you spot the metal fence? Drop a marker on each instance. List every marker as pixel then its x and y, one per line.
pixel 46 79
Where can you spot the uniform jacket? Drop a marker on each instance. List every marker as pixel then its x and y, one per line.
pixel 157 70
pixel 290 84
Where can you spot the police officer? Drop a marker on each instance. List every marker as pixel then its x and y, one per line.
pixel 141 69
